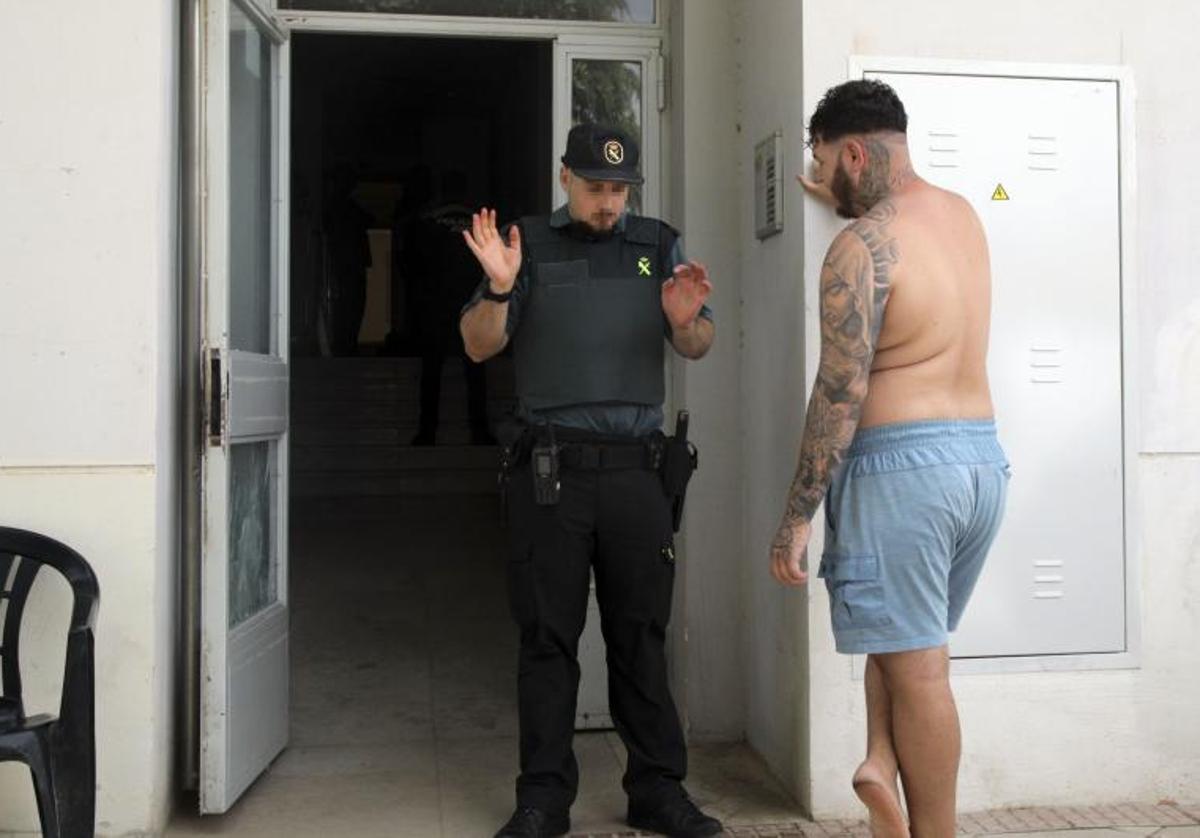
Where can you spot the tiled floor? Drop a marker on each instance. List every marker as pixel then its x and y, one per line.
pixel 403 711
pixel 404 686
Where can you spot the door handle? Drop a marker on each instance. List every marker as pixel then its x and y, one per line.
pixel 215 401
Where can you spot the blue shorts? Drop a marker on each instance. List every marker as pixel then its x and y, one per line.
pixel 909 518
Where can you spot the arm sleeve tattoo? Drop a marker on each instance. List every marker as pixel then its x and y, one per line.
pixel 855 283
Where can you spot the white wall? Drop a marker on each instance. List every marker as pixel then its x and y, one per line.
pixel 1039 738
pixel 703 138
pixel 766 43
pixel 87 277
pixel 1030 738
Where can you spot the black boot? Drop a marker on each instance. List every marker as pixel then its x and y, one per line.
pixel 528 822
pixel 677 817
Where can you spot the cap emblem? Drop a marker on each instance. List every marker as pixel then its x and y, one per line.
pixel 614 152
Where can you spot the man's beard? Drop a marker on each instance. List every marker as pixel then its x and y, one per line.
pixel 843 192
pixel 874 184
pixel 603 222
pixel 590 229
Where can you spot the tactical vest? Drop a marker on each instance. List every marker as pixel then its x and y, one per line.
pixel 591 327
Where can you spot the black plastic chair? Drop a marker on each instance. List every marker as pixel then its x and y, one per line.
pixel 60 751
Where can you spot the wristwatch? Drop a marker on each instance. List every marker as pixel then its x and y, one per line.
pixel 489 294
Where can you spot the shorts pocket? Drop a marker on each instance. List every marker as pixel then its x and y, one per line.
pixel 855 592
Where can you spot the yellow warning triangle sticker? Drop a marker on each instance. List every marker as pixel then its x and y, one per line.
pixel 999 194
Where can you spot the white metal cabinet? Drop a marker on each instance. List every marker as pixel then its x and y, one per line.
pixel 1039 160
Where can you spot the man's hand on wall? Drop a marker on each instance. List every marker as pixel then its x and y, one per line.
pixel 818 189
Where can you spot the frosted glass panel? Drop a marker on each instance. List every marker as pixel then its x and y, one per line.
pixel 249 186
pixel 610 11
pixel 252 576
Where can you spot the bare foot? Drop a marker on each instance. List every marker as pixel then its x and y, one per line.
pixel 879 793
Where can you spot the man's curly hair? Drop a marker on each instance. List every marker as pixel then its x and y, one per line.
pixel 857 107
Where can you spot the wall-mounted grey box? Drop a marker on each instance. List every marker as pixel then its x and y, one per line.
pixel 768 186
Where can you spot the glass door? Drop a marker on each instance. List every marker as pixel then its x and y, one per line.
pixel 614 85
pixel 611 84
pixel 244 613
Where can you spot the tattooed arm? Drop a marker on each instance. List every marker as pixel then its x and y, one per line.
pixel 855 283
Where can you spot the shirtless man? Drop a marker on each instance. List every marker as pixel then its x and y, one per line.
pixel 900 444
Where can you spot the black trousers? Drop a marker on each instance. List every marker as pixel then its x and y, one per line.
pixel 617 523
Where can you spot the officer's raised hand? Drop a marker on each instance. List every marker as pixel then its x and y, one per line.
pixel 683 297
pixel 501 261
pixel 684 294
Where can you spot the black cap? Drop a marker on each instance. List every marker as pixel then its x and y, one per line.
pixel 597 152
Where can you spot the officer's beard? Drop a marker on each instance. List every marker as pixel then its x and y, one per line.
pixel 587 230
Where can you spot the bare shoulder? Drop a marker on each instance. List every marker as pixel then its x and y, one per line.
pixel 856 281
pixel 936 214
pixel 971 223
pixel 961 202
pixel 847 246
pixel 875 235
pixel 960 206
pixel 878 221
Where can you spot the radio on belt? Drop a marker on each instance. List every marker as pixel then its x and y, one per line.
pixel 544 462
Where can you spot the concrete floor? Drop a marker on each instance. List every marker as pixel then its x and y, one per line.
pixel 404 687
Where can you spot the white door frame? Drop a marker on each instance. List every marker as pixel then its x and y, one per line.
pixel 642 43
pixel 533 29
pixel 647 53
pixel 632 42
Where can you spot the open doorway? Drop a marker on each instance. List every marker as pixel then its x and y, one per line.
pixel 402 645
pixel 383 130
pixel 403 694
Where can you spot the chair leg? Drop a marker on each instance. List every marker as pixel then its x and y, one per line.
pixel 73 744
pixel 74 769
pixel 37 756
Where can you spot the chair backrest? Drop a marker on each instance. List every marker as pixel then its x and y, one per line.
pixel 22 555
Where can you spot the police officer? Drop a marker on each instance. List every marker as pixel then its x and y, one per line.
pixel 586 295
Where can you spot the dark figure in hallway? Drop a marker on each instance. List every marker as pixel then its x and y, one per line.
pixel 587 296
pixel 345 224
pixel 444 273
pixel 415 199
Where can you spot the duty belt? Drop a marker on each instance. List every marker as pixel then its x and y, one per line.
pixel 605 456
